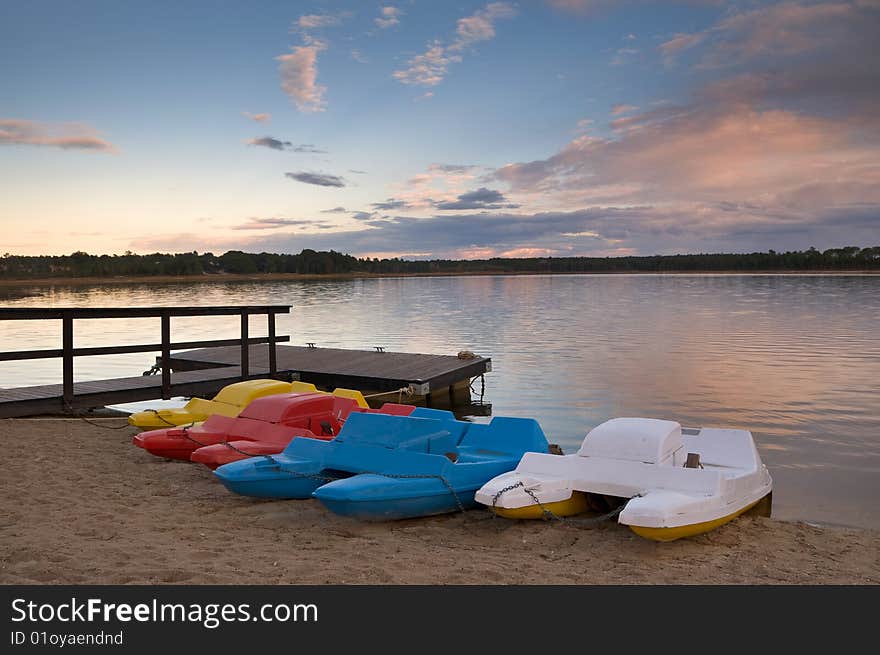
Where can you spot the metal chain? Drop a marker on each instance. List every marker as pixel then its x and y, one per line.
pixel 162 418
pixel 549 514
pixel 70 410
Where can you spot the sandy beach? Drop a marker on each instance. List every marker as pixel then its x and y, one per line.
pixel 79 504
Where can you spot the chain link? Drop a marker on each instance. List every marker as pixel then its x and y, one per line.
pixel 70 410
pixel 549 514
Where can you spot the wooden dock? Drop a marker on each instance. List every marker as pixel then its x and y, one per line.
pixel 367 371
pixel 204 370
pixel 48 398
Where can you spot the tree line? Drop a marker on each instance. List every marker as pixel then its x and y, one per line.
pixel 81 264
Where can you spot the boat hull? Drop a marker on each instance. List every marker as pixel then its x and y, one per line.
pixel 372 497
pixel 576 504
pixel 691 530
pixel 263 477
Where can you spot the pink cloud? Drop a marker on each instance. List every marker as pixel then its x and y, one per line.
pixel 617 110
pixel 429 68
pixel 67 136
pixel 390 16
pixel 299 74
pixel 789 28
pixel 259 118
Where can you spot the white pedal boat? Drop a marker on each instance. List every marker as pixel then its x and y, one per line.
pixel 679 482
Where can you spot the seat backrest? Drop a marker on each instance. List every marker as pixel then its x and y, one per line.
pixel 392 432
pixel 242 393
pixel 353 394
pixel 506 434
pixel 288 407
pixel 456 428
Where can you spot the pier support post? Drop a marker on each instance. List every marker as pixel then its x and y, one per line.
pixel 245 350
pixel 67 359
pixel 273 361
pixel 166 355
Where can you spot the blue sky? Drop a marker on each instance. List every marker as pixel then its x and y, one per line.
pixel 453 129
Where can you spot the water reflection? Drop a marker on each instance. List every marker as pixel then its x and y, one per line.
pixel 795 359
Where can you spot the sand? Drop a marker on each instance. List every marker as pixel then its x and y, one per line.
pixel 79 504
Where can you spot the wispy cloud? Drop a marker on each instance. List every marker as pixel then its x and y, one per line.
pixel 67 136
pixel 481 198
pixel 259 118
pixel 788 28
pixel 623 55
pixel 430 67
pixel 278 144
pixel 390 205
pixel 318 179
pixel 317 21
pixel 274 223
pixel 334 210
pixel 617 110
pixel 389 17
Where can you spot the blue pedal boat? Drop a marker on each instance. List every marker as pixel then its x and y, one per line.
pixel 384 467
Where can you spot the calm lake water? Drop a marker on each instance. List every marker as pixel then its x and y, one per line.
pixel 794 359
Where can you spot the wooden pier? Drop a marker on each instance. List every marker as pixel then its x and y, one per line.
pixel 213 364
pixel 368 371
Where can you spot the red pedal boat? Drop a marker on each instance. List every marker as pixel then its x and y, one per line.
pixel 266 443
pixel 293 414
pixel 275 419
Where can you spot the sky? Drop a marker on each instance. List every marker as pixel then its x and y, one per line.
pixel 425 129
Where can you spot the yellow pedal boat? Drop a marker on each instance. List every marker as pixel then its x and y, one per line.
pixel 228 402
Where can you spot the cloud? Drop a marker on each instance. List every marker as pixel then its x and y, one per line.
pixel 390 205
pixel 299 74
pixel 67 136
pixel 783 151
pixel 317 21
pixel 334 210
pixel 359 57
pixel 617 110
pixel 390 16
pixel 277 144
pixel 481 25
pixel 362 216
pixel 681 42
pixel 429 68
pixel 273 223
pixel 622 56
pixel 788 28
pixel 453 168
pixel 259 118
pixel 269 142
pixel 318 179
pixel 482 198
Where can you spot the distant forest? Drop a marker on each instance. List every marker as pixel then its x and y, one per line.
pixel 81 264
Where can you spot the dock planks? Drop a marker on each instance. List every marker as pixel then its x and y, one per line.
pixel 358 369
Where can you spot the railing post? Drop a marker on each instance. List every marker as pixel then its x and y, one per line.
pixel 273 362
pixel 245 351
pixel 67 359
pixel 166 355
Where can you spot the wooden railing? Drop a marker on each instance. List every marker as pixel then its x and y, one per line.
pixel 67 351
